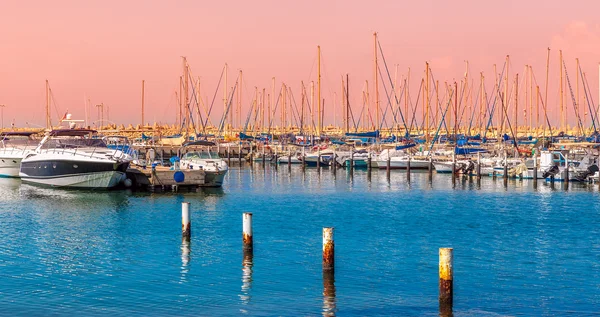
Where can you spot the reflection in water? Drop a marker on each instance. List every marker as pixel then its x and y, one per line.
pixel 329 302
pixel 247 265
pixel 185 259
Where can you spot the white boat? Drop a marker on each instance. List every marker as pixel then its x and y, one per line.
pixel 399 160
pixel 215 168
pixel 15 146
pixel 72 158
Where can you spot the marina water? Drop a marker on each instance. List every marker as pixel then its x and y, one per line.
pixel 518 250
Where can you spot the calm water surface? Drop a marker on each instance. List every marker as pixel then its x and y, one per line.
pixel 518 250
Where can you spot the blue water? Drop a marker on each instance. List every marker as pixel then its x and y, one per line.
pixel 517 250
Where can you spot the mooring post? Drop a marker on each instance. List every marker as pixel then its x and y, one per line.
pixel 334 161
pixel 186 224
pixel 263 156
pixel 240 153
pixel 446 281
pixel 478 165
pixel 535 169
pixel 369 161
pixel 289 160
pixel 388 165
pixel 430 166
pixel 247 232
pixel 566 179
pixel 408 169
pixel 228 155
pixel 351 161
pixel 505 166
pixel 328 249
pixel 319 159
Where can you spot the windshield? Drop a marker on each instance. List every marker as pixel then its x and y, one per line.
pixel 201 155
pixel 71 143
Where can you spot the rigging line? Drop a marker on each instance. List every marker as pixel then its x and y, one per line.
pixel 349 108
pixel 389 104
pixel 224 117
pixel 509 125
pixel 249 116
pixel 390 79
pixel 214 97
pixel 586 83
pixel 440 101
pixel 296 115
pixel 414 109
pixel 474 106
pixel 496 87
pixel 545 110
pixel 274 111
pixel 464 110
pixel 395 113
pixel 197 107
pixel 437 132
pixel 574 102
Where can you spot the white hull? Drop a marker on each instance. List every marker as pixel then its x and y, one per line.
pixel 214 179
pixel 402 163
pixel 107 179
pixel 9 167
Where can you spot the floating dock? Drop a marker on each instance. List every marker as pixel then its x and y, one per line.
pixel 163 179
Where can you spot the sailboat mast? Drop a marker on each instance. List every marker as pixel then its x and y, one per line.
pixel 577 91
pixel 225 91
pixel 482 103
pixel 427 102
pixel 505 105
pixel 312 107
pixel 48 123
pixel 516 105
pixel 547 74
pixel 347 103
pixel 562 85
pixel 376 82
pixel 320 123
pixel 143 82
pixel 238 112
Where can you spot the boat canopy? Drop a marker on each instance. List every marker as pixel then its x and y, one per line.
pixel 369 134
pixel 200 143
pixel 71 132
pixel 17 133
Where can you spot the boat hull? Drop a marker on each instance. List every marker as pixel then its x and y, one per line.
pixel 73 173
pixel 214 179
pixel 9 167
pixel 88 180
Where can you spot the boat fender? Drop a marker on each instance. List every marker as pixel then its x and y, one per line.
pixel 179 176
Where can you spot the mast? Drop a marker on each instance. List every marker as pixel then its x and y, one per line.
pixel 347 103
pixel 376 83
pixel 225 90
pixel 238 111
pixel 427 102
pixel 271 101
pixel 531 98
pixel 481 106
pixel 143 103
pixel 48 122
pixel 186 95
pixel 562 85
pixel 547 74
pixel 505 105
pixel 455 109
pixel 343 106
pixel 312 107
pixel 577 91
pixel 262 112
pixel 180 115
pixel 320 123
pixel 516 105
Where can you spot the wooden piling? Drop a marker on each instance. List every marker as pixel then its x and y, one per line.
pixel 240 154
pixel 408 169
pixel 446 281
pixel 186 224
pixel 229 155
pixel 247 232
pixel 388 165
pixel 328 249
pixel 478 172
pixel 369 162
pixel 351 161
pixel 290 160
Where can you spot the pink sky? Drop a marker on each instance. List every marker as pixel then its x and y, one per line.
pixel 103 49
